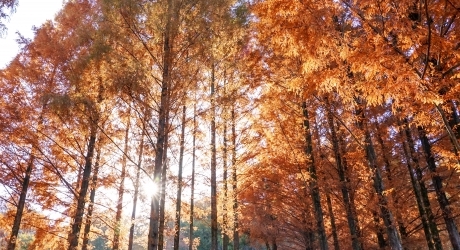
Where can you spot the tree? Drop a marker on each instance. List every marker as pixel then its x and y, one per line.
pixel 4 6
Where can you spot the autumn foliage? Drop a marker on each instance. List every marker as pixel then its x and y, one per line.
pixel 271 124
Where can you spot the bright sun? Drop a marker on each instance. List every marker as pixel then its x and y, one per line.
pixel 149 188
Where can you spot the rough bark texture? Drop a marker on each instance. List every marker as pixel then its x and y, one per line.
pixel 316 198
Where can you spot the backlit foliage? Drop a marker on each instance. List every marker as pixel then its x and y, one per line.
pixel 336 125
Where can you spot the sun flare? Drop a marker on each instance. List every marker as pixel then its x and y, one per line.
pixel 150 188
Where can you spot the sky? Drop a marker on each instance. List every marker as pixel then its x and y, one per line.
pixel 29 13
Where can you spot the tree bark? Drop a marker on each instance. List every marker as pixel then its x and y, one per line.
pixel 389 174
pixel 162 189
pixel 225 238
pixel 351 216
pixel 121 189
pixel 164 107
pixel 333 226
pixel 394 240
pixel 192 185
pixel 92 195
pixel 179 183
pixel 136 191
pixel 421 193
pixel 24 189
pixel 78 217
pixel 236 238
pixel 213 163
pixel 22 201
pixel 415 184
pixel 313 182
pixel 440 194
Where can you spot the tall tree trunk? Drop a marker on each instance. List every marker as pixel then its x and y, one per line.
pixel 454 120
pixel 335 238
pixel 24 189
pixel 92 195
pixel 389 174
pixel 308 227
pixel 121 189
pixel 22 201
pixel 78 217
pixel 192 186
pixel 378 230
pixel 316 199
pixel 421 193
pixel 351 216
pixel 225 238
pixel 162 189
pixel 179 183
pixel 162 118
pixel 393 236
pixel 440 194
pixel 236 238
pixel 136 191
pixel 213 163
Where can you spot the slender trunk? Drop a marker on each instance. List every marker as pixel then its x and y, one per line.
pixel 179 183
pixel 92 195
pixel 316 198
pixel 24 189
pixel 450 132
pixel 121 189
pixel 225 238
pixel 351 216
pixel 333 226
pixel 393 236
pixel 192 186
pixel 389 174
pixel 454 120
pixel 378 230
pixel 162 189
pixel 78 217
pixel 428 220
pixel 213 164
pixel 433 228
pixel 21 203
pixel 440 194
pixel 236 238
pixel 136 191
pixel 162 118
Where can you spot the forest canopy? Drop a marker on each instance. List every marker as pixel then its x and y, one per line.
pixel 233 124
